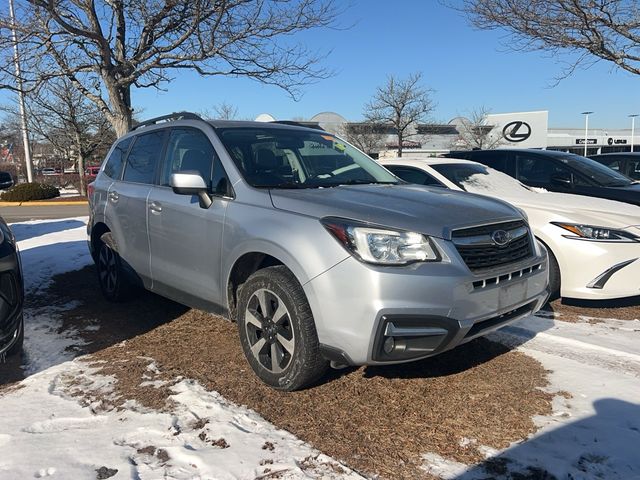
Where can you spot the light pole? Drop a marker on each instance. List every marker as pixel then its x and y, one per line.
pixel 633 128
pixel 23 114
pixel 586 130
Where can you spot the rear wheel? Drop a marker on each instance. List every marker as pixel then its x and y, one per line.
pixel 114 282
pixel 277 330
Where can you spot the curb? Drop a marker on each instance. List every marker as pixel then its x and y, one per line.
pixel 42 203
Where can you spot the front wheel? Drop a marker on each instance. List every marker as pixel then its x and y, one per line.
pixel 16 348
pixel 277 330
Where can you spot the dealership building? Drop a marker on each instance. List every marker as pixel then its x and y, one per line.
pixel 504 130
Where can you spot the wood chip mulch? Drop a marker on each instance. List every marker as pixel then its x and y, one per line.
pixel 378 421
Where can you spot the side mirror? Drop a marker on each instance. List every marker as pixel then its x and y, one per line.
pixel 191 183
pixel 562 180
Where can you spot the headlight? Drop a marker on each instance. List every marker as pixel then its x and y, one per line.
pixel 380 245
pixel 590 232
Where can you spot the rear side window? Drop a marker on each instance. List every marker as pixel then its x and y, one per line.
pixel 634 169
pixel 143 158
pixel 113 167
pixel 414 175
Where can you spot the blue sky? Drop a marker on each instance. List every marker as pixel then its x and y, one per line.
pixel 466 68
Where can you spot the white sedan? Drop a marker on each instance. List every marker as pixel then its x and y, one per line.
pixel 593 244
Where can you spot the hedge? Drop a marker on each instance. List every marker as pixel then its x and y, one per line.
pixel 24 192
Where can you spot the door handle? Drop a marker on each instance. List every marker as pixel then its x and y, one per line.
pixel 155 207
pixel 113 196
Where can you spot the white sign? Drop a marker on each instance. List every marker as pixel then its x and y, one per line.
pixel 520 129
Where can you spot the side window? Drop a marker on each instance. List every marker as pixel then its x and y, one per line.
pixel 414 175
pixel 189 149
pixel 113 167
pixel 634 169
pixel 538 169
pixel 143 157
pixel 613 164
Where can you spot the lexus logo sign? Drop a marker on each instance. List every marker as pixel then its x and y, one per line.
pixel 516 131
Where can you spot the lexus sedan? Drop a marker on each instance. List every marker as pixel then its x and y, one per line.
pixel 593 244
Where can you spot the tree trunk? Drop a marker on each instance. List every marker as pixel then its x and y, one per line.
pixel 83 180
pixel 121 113
pixel 399 144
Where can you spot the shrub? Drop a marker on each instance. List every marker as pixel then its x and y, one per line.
pixel 25 192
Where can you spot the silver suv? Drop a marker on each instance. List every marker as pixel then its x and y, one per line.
pixel 318 253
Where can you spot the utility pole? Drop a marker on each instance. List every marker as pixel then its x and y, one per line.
pixel 23 115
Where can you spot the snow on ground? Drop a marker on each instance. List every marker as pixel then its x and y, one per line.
pixel 48 248
pixel 46 432
pixel 204 436
pixel 595 432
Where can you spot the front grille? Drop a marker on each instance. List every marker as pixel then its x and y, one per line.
pixel 479 252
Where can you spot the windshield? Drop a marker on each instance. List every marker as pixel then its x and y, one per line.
pixel 480 179
pixel 597 172
pixel 288 158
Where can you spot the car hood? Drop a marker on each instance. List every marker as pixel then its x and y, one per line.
pixel 432 211
pixel 577 209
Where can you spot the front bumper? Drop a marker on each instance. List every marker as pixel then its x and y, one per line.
pixel 598 270
pixel 427 308
pixel 11 297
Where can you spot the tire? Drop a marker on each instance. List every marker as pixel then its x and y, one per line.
pixel 554 276
pixel 113 279
pixel 17 347
pixel 277 330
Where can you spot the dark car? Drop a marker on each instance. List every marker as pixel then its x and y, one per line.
pixel 11 294
pixel 626 163
pixel 558 172
pixel 6 181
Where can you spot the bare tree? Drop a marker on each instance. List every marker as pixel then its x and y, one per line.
pixel 61 116
pixel 368 137
pixel 106 47
pixel 475 134
pixel 593 29
pixel 401 104
pixel 226 111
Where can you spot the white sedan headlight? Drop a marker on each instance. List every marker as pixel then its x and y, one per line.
pixel 380 245
pixel 591 232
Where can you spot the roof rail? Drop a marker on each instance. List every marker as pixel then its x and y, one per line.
pixel 171 116
pixel 298 124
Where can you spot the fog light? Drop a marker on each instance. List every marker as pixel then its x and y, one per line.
pixel 389 345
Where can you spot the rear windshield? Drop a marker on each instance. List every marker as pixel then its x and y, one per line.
pixel 290 158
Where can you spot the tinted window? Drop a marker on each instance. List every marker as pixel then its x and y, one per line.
pixel 593 170
pixel 113 168
pixel 539 170
pixel 634 169
pixel 414 175
pixel 5 177
pixel 143 158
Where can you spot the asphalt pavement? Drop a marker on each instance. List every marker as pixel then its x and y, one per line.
pixel 42 212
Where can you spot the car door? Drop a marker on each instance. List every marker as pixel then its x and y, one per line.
pixel 127 202
pixel 186 239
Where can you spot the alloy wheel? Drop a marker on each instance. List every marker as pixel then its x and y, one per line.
pixel 108 268
pixel 269 330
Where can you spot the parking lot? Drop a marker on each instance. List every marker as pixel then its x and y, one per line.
pixel 552 393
